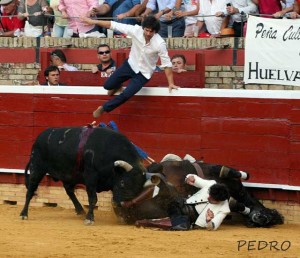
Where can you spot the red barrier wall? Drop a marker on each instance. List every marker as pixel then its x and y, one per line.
pixel 254 134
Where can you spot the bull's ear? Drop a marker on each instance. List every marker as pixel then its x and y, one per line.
pixel 123 164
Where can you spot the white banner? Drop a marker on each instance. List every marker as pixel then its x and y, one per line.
pixel 272 51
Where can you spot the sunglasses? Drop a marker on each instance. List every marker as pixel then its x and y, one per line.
pixel 104 52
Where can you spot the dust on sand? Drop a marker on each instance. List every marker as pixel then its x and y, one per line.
pixel 56 232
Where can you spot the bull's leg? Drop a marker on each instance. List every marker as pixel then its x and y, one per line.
pixel 92 197
pixel 70 192
pixel 34 180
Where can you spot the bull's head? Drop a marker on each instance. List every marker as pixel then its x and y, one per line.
pixel 264 218
pixel 129 180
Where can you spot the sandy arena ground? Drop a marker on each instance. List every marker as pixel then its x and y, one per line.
pixel 57 232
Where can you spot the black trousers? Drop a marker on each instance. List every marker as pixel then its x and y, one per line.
pixel 179 212
pixel 238 28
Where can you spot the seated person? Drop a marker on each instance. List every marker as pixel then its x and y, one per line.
pixel 107 65
pixel 211 24
pixel 191 8
pixel 9 25
pixel 59 59
pixel 120 10
pixel 233 12
pixel 52 74
pixel 296 10
pixel 206 209
pixel 178 63
pixel 272 7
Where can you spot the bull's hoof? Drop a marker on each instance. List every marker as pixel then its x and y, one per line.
pixel 88 222
pixel 80 213
pixel 23 217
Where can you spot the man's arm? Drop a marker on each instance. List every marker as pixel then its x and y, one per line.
pixel 296 10
pixel 296 7
pixel 197 181
pixel 129 13
pixel 169 75
pixel 141 9
pixel 102 9
pixel 100 23
pixel 7 33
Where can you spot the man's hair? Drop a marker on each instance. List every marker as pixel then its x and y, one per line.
pixel 179 56
pixel 219 192
pixel 150 22
pixel 51 68
pixel 58 53
pixel 103 45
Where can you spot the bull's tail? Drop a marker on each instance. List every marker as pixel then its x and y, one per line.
pixel 26 176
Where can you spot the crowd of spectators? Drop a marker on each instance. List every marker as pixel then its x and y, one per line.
pixel 178 18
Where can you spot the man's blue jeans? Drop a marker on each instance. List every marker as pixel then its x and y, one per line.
pixel 122 74
pixel 178 27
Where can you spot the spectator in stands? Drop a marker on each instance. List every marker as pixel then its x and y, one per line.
pixel 288 3
pixel 107 65
pixel 235 13
pixel 178 63
pixel 120 10
pixel 52 74
pixel 296 10
pixel 72 9
pixel 191 8
pixel 32 11
pixel 141 8
pixel 177 24
pixel 60 26
pixel 147 46
pixel 9 25
pixel 59 59
pixel 212 12
pixel 272 7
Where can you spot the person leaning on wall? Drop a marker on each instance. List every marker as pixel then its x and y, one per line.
pixel 52 76
pixel 58 58
pixel 107 65
pixel 178 63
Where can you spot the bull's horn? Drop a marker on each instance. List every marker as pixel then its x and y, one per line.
pixel 123 164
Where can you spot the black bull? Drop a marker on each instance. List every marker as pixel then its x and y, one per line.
pixel 170 176
pixel 99 158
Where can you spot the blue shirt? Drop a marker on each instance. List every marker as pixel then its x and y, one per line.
pixel 124 7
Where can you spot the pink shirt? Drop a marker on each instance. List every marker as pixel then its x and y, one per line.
pixel 76 8
pixel 269 6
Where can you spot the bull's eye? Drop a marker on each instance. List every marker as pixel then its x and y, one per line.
pixel 122 184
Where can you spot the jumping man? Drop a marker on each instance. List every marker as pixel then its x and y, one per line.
pixel 147 47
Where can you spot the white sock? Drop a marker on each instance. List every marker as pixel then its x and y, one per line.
pixel 246 211
pixel 243 174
